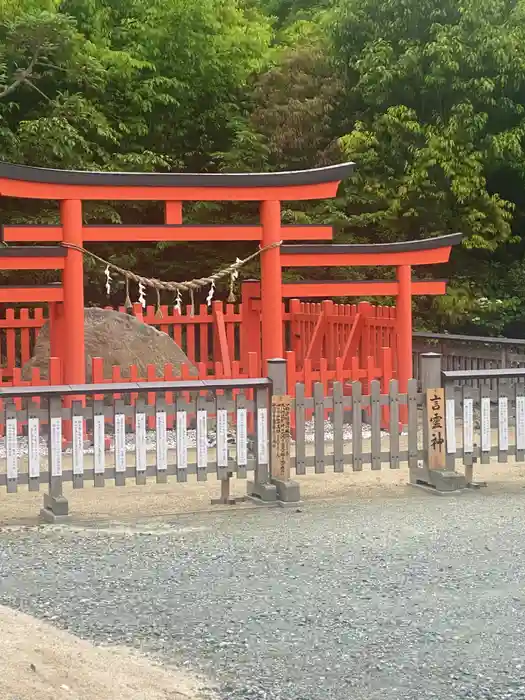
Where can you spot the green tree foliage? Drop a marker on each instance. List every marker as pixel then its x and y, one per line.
pixel 434 104
pixel 427 96
pixel 106 84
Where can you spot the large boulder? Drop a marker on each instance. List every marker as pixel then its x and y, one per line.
pixel 119 339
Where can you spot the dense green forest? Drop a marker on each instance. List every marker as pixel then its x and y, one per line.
pixel 426 96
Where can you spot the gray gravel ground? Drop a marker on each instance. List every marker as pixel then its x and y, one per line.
pixel 413 598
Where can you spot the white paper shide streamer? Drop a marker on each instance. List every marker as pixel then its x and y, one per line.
pixel 178 302
pixel 142 295
pixel 211 294
pixel 108 280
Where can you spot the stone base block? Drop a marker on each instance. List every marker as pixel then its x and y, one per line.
pixel 230 501
pixel 287 491
pixel 263 493
pixel 55 510
pixel 295 505
pixel 441 482
pixel 47 516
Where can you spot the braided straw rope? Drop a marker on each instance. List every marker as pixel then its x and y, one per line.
pixel 160 285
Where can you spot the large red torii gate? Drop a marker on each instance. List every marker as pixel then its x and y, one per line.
pixel 71 188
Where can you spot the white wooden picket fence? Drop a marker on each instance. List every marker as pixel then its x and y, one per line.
pixel 142 431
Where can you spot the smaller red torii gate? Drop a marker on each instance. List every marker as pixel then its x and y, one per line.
pixel 403 256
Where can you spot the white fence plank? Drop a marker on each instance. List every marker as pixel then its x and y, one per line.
pixel 485 426
pixel 11 446
pixel 161 440
pixel 140 443
pixel 202 440
pixel 77 430
pixel 182 445
pixel 99 443
pixel 503 428
pixel 55 445
pixel 33 445
pixel 120 444
pixel 468 426
pixel 242 437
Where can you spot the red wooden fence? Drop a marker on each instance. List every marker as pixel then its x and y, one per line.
pixel 195 334
pixel 324 341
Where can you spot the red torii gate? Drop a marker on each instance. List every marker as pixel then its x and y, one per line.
pixel 403 256
pixel 71 188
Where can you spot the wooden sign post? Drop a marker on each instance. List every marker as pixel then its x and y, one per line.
pixel 281 437
pixel 435 416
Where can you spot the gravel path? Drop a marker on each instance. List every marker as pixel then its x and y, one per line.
pixel 406 599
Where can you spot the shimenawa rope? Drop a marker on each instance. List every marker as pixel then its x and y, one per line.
pixel 159 285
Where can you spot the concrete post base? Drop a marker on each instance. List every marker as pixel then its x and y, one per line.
pixel 226 498
pixel 55 510
pixel 261 493
pixel 438 481
pixel 288 492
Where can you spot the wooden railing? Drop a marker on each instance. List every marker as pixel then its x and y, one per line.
pixel 468 352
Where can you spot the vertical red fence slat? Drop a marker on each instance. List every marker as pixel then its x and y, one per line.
pixel 204 319
pixel 25 338
pixel 10 339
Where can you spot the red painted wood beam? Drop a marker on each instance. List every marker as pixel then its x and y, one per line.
pixel 353 340
pixel 424 251
pixel 182 232
pixel 416 257
pixel 39 190
pixel 173 212
pixel 387 288
pixel 27 295
pixel 47 183
pixel 31 263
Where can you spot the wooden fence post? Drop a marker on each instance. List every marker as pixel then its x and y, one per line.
pixel 56 508
pixel 288 492
pixel 433 473
pixel 262 489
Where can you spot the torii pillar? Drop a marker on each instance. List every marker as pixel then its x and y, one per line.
pixel 72 342
pixel 271 283
pixel 404 327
